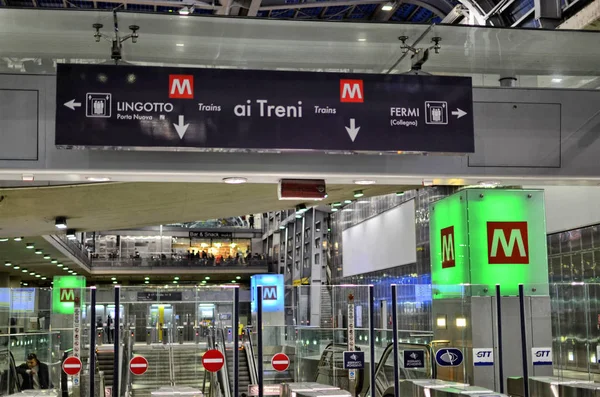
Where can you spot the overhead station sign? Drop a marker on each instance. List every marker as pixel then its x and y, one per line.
pixel 105 106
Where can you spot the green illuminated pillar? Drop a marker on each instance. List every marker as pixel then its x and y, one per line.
pixel 487 237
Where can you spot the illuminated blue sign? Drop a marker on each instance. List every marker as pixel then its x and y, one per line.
pixel 272 292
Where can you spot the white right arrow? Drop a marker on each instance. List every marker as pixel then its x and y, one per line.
pixel 353 129
pixel 72 104
pixel 458 113
pixel 181 128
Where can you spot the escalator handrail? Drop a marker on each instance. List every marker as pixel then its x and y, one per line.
pixel 389 349
pixel 247 343
pixel 224 371
pixel 128 355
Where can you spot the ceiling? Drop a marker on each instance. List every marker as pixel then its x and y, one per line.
pixel 112 206
pixel 17 254
pixel 45 37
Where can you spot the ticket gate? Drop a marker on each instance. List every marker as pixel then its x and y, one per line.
pixel 180 330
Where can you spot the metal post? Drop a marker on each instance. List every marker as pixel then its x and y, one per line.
pixel 524 341
pixel 92 341
pixel 372 339
pixel 395 339
pixel 236 325
pixel 499 321
pixel 116 341
pixel 259 337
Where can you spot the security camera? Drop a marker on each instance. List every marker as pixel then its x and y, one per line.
pixel 134 33
pixel 97 34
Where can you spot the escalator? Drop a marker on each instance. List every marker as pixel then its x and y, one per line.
pixel 106 363
pixel 247 374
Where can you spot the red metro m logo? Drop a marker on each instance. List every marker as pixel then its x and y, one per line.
pixel 448 258
pixel 508 243
pixel 181 86
pixel 351 91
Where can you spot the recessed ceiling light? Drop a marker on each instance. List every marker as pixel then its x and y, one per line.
pixel 235 180
pixel 38 252
pixel 399 193
pixel 54 261
pixel 113 278
pixel 7 264
pixel 174 281
pixel 71 234
pixel 334 210
pixel 30 246
pixel 32 273
pixel 362 39
pixel 24 271
pixel 65 268
pixel 46 256
pixel 175 278
pixel 114 282
pixel 207 278
pixel 18 238
pixel 146 278
pixel 180 45
pixel 347 201
pixel 74 274
pixel 358 194
pixel 43 278
pixel 237 277
pixel 388 7
pixel 337 204
pixel 60 222
pixel 25 284
pixel 364 182
pixel 203 281
pixel 3 239
pixel 557 80
pixel 70 271
pixel 37 276
pixel 98 178
pixel 59 265
pixel 233 281
pixel 146 282
pixel 16 267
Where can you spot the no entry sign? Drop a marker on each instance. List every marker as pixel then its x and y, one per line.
pixel 280 362
pixel 213 360
pixel 72 366
pixel 138 365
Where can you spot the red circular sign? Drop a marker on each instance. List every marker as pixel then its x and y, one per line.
pixel 71 366
pixel 138 365
pixel 213 360
pixel 280 362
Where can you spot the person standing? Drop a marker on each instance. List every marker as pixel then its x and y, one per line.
pixel 251 221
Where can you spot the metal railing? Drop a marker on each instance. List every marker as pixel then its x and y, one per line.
pixel 188 263
pixel 74 247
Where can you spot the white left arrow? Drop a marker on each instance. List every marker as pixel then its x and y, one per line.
pixel 181 128
pixel 458 113
pixel 353 129
pixel 72 104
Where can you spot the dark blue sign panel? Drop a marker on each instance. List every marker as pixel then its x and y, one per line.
pixel 106 106
pixel 413 358
pixel 449 357
pixel 354 360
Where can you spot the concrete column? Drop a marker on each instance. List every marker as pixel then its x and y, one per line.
pixel 14 282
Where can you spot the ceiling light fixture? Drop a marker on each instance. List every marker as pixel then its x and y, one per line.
pixel 98 178
pixel 30 246
pixel 180 45
pixel 46 256
pixel 44 278
pixel 237 277
pixel 387 6
pixel 60 222
pixel 18 238
pixel 24 271
pixel 146 282
pixel 70 271
pixel 175 278
pixel 113 278
pixel 347 201
pixel 7 264
pixel 60 265
pixel 39 252
pixel 235 180
pixel 334 209
pixel 365 182
pixel 146 278
pixel 71 234
pixel 32 273
pixel 27 178
pixel 557 80
pixel 114 282
pixel 362 39
pixel 186 10
pixel 174 281
pixel 3 239
pixel 233 281
pixel 399 194
pixel 207 278
pixel 54 261
pixel 37 276
pixel 16 267
pixel 358 194
pixel 203 281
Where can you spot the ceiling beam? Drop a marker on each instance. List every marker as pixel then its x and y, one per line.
pixel 313 4
pixel 164 3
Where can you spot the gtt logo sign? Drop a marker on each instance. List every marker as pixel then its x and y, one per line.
pixel 270 293
pixel 448 258
pixel 352 91
pixel 181 86
pixel 508 243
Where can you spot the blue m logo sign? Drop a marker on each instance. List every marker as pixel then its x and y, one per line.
pixel 270 293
